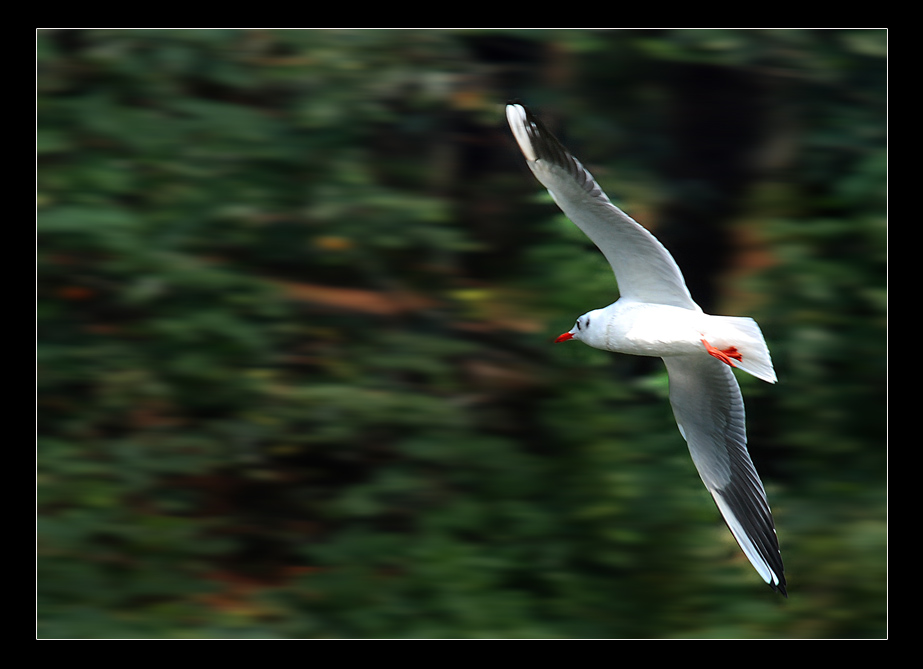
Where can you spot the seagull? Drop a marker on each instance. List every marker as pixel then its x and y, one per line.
pixel 656 316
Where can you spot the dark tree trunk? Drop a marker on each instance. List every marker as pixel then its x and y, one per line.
pixel 713 118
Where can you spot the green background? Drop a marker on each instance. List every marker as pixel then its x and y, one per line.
pixel 296 298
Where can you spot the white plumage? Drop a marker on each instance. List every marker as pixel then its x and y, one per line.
pixel 656 316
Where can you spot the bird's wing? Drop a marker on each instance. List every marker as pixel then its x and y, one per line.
pixel 644 269
pixel 709 411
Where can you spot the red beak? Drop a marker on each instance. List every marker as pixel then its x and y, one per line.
pixel 567 336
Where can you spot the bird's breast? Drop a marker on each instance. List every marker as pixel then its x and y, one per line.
pixel 652 330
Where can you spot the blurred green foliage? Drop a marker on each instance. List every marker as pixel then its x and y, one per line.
pixel 296 291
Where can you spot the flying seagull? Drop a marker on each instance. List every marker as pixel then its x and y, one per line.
pixel 656 316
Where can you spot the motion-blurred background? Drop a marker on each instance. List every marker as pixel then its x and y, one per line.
pixel 296 293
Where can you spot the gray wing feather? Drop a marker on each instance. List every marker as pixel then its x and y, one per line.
pixel 709 410
pixel 644 269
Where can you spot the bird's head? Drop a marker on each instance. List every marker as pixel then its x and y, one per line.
pixel 586 329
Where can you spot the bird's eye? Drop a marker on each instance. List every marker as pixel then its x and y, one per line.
pixel 588 322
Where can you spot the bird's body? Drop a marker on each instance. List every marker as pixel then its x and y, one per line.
pixel 656 316
pixel 660 330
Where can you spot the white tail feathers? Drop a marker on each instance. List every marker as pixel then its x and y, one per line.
pixel 744 334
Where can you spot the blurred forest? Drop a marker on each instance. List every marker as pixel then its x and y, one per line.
pixel 296 297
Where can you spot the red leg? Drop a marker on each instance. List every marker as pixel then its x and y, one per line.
pixel 723 355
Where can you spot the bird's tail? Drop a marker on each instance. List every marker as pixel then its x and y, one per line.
pixel 744 334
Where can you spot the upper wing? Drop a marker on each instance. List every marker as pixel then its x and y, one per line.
pixel 644 269
pixel 710 414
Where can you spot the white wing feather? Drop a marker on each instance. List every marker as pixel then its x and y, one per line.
pixel 709 411
pixel 644 269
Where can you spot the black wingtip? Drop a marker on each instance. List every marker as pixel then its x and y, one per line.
pixel 780 587
pixel 537 142
pixel 543 142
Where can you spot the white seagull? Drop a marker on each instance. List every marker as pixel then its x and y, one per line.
pixel 656 316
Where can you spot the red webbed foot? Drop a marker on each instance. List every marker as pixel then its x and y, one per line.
pixel 724 355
